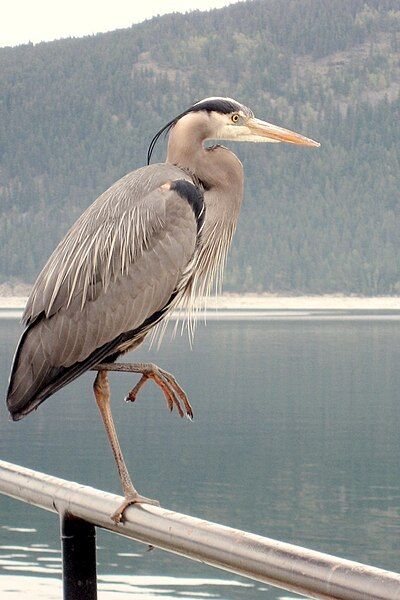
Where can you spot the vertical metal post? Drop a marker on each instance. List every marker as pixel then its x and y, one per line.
pixel 78 540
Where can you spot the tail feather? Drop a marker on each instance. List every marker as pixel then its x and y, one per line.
pixel 35 377
pixel 32 374
pixel 36 374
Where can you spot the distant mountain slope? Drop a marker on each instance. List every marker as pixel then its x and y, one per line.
pixel 77 114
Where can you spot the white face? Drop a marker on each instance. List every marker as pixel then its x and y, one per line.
pixel 235 127
pixel 241 127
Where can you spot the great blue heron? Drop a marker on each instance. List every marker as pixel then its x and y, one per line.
pixel 156 239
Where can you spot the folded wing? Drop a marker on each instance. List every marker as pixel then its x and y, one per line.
pixel 106 284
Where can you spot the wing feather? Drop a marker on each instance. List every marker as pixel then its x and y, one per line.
pixel 118 266
pixel 100 245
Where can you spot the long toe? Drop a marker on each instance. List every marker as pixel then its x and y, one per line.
pixel 174 394
pixel 118 516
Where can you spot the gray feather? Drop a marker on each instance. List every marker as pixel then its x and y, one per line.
pixel 138 252
pixel 117 266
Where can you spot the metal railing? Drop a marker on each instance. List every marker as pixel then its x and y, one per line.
pixel 283 565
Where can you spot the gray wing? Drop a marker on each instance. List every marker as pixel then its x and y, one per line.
pixel 107 282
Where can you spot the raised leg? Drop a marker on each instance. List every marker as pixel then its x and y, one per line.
pixel 174 394
pixel 101 389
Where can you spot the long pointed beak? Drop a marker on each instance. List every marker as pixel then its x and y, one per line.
pixel 266 132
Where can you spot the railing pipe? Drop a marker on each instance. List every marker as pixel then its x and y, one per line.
pixel 290 567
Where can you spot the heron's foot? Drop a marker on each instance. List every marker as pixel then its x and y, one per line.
pixel 174 394
pixel 131 498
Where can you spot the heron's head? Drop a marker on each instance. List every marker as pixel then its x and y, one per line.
pixel 226 119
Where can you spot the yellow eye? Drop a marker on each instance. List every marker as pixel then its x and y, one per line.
pixel 235 118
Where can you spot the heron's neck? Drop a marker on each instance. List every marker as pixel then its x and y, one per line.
pixel 221 173
pixel 217 167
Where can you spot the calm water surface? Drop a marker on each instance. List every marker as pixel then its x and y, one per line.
pixel 295 437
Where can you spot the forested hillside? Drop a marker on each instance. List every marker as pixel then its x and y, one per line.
pixel 78 113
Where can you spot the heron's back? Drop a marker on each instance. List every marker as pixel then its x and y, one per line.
pixel 109 281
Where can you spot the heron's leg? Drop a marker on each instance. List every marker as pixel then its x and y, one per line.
pixel 101 389
pixel 173 392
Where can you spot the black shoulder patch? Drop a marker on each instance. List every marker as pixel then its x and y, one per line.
pixel 194 196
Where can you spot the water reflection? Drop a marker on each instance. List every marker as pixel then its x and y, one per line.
pixel 119 587
pixel 295 437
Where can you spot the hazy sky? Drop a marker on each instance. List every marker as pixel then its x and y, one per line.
pixel 22 21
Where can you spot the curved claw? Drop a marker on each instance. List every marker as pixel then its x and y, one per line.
pixel 182 395
pixel 174 394
pixel 132 498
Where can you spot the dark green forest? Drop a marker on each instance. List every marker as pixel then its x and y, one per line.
pixel 77 114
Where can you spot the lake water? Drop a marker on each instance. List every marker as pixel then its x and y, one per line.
pixel 295 437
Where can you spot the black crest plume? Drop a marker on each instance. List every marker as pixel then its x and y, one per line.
pixel 220 105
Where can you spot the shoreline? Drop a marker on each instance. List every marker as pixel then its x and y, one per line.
pixel 270 302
